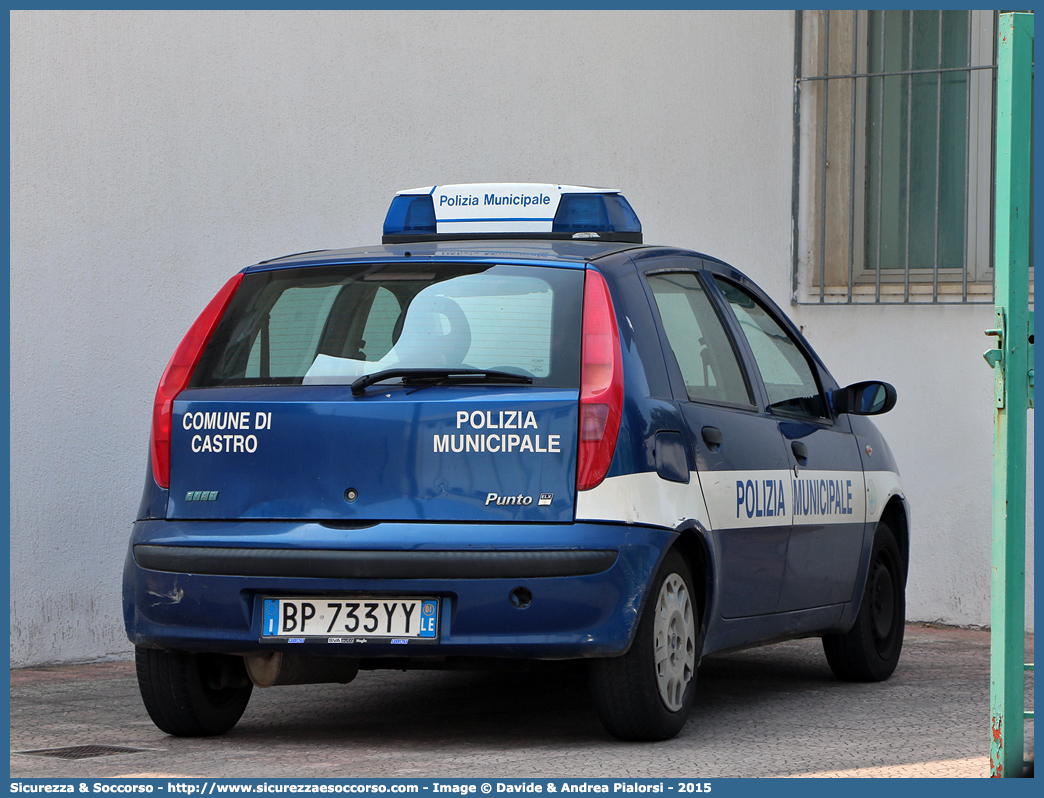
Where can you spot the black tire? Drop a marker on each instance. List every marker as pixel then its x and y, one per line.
pixel 636 698
pixel 870 650
pixel 192 695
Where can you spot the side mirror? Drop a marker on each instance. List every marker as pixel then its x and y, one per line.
pixel 863 399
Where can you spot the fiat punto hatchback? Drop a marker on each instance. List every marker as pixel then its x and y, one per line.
pixel 512 431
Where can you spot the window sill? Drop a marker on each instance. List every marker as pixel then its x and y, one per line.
pixel 890 292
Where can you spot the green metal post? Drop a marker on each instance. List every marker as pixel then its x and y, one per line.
pixel 1012 382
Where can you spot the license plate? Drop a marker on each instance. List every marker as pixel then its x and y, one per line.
pixel 350 620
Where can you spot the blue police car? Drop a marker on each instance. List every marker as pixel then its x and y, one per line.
pixel 510 431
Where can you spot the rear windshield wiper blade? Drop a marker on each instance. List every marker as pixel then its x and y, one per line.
pixel 453 375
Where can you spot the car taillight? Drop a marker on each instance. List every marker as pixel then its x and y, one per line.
pixel 601 384
pixel 176 376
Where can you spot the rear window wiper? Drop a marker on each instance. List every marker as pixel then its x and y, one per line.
pixel 443 375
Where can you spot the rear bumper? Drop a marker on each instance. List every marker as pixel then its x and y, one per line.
pixel 198 585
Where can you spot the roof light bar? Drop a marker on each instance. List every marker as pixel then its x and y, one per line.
pixel 511 210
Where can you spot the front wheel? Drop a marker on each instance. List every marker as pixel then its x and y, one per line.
pixel 192 695
pixel 870 650
pixel 646 694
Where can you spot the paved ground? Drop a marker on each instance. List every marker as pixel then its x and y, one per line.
pixel 774 711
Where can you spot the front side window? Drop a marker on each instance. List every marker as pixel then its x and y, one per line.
pixel 789 380
pixel 332 325
pixel 708 362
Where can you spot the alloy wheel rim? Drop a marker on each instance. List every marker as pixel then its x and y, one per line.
pixel 674 642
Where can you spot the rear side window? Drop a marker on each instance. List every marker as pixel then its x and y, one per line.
pixel 704 353
pixel 331 325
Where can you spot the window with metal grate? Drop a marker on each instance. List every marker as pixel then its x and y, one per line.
pixel 893 156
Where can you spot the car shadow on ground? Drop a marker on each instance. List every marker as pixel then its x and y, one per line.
pixel 549 704
pixel 449 706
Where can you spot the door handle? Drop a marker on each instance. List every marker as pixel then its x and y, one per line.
pixel 712 437
pixel 800 452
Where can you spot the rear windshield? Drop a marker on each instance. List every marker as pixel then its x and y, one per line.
pixel 332 325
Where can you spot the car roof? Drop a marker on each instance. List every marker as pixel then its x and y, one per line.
pixel 562 252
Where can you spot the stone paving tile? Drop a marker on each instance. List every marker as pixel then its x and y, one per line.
pixel 773 711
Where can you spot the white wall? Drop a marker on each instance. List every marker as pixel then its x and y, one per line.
pixel 153 154
pixel 941 433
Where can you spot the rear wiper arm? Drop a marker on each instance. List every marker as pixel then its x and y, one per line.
pixel 452 375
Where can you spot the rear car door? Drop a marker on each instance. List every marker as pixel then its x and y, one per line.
pixel 739 454
pixel 825 487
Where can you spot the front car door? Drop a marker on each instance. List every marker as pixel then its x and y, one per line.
pixel 825 486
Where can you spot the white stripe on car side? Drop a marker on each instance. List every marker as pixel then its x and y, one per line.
pixel 643 498
pixel 742 499
pixel 881 486
pixel 779 497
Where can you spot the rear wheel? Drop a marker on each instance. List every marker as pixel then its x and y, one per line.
pixel 192 695
pixel 870 650
pixel 646 693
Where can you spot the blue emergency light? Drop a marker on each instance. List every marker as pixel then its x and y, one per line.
pixel 410 215
pixel 510 210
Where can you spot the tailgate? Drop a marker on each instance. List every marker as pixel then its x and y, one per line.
pixel 440 453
